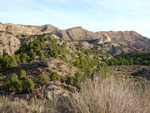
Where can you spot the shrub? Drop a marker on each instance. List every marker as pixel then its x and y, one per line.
pixel 43 79
pixel 13 62
pixel 14 77
pixel 70 79
pixel 22 74
pixel 19 86
pixel 79 76
pixel 5 62
pixel 55 76
pixel 15 84
pixel 42 57
pixel 30 85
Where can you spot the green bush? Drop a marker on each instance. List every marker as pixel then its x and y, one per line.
pixel 79 76
pixel 55 76
pixel 43 79
pixel 70 79
pixel 42 57
pixel 14 77
pixel 15 84
pixel 5 62
pixel 22 75
pixel 30 85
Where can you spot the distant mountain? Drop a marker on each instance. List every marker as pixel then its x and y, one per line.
pixel 77 33
pixel 28 29
pixel 111 40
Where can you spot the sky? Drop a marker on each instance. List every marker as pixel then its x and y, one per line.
pixel 93 15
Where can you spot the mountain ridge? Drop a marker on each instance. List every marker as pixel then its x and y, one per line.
pixel 110 39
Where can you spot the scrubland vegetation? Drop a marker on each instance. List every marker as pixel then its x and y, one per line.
pixel 110 94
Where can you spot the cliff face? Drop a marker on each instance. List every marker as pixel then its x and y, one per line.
pixel 8 43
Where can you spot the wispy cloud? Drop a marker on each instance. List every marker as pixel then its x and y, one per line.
pixel 95 15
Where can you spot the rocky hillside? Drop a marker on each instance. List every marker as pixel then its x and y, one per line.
pixel 8 43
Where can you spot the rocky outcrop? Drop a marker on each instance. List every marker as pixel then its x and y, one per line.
pixel 103 39
pixel 8 43
pixel 86 45
pixel 57 90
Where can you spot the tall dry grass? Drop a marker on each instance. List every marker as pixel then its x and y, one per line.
pixel 101 95
pixel 110 95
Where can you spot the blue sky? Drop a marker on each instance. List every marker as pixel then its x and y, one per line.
pixel 94 15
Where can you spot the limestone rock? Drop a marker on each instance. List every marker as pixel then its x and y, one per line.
pixel 103 39
pixel 55 91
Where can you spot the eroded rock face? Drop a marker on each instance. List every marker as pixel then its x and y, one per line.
pixel 8 43
pixel 103 39
pixel 55 90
